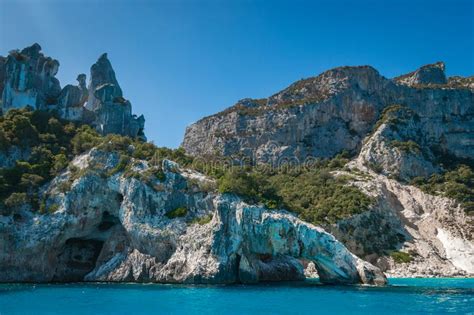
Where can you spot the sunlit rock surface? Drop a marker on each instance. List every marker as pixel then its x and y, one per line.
pixel 102 73
pixel 72 99
pixel 336 111
pixel 29 79
pixel 435 231
pixel 428 74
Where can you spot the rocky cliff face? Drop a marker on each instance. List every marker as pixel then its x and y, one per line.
pixel 27 78
pixel 120 228
pixel 400 147
pixel 102 73
pixel 426 75
pixel 335 111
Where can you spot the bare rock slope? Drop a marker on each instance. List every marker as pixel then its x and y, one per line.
pixel 434 232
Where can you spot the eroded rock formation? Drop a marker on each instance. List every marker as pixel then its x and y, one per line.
pixel 27 78
pixel 117 229
pixel 72 99
pixel 102 73
pixel 113 111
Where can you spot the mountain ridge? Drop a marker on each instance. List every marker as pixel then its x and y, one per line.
pixel 343 104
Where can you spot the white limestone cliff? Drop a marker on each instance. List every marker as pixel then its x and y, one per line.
pixel 116 229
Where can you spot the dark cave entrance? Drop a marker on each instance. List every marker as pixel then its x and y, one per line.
pixel 108 221
pixel 77 259
pixel 79 255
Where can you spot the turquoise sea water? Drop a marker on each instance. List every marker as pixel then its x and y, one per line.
pixel 402 296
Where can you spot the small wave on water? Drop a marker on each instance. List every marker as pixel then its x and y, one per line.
pixel 401 296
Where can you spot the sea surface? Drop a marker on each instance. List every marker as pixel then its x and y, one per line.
pixel 402 296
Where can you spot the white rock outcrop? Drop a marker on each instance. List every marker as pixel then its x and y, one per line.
pixel 436 232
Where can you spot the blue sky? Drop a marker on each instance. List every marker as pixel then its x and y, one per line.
pixel 178 61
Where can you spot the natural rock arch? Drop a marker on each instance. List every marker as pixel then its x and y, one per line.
pixel 280 235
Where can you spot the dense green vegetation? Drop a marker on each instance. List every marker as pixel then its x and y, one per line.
pixel 315 194
pixel 252 186
pixel 46 146
pixel 401 257
pixel 319 197
pixel 457 184
pixel 47 142
pixel 177 213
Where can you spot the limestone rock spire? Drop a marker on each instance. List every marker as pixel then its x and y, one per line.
pixel 112 111
pixel 102 73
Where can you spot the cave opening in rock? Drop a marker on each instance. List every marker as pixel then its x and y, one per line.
pixel 77 259
pixel 80 255
pixel 265 267
pixel 108 221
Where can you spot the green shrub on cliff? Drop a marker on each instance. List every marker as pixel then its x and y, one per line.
pixel 85 139
pixel 409 146
pixel 251 186
pixel 177 213
pixel 457 184
pixel 16 200
pixel 314 194
pixel 201 220
pixel 47 141
pixel 319 197
pixel 401 257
